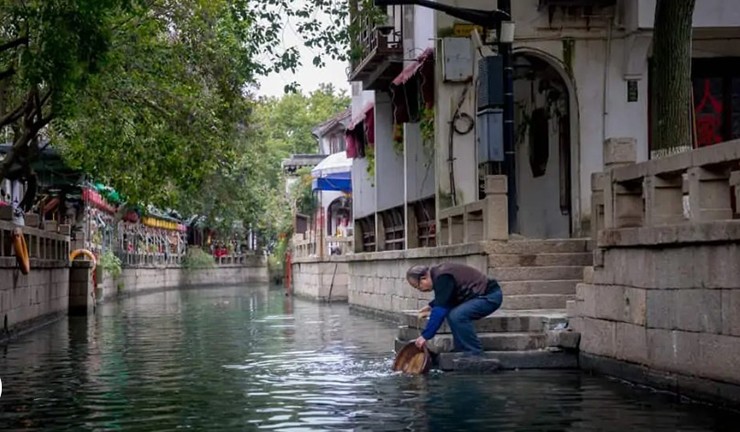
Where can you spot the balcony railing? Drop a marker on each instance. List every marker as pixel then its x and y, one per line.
pixel 377 49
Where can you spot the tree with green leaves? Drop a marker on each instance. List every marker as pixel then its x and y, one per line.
pixel 147 95
pixel 250 190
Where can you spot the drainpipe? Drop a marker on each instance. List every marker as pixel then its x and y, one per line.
pixel 509 143
pixel 605 95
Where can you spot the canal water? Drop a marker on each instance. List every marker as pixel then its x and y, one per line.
pixel 247 358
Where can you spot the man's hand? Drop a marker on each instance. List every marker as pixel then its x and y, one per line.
pixel 424 312
pixel 420 342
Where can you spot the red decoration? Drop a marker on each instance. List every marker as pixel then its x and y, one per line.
pixel 708 117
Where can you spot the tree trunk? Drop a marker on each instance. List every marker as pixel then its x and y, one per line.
pixel 671 92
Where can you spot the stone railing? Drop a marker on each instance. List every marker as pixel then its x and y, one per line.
pixel 659 304
pixel 235 260
pixel 172 260
pixel 688 187
pixel 342 245
pixel 486 219
pixel 43 245
pixel 149 259
pixel 306 245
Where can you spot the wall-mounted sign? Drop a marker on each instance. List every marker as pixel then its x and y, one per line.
pixel 465 30
pixel 632 93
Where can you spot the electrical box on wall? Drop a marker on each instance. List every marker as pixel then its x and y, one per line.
pixel 457 56
pixel 491 82
pixel 490 135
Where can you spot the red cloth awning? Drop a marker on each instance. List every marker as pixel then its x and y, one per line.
pixel 411 69
pixel 360 117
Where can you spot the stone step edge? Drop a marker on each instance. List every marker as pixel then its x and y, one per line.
pixel 512 360
pixel 545 322
pixel 575 281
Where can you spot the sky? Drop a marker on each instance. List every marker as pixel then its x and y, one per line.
pixel 308 76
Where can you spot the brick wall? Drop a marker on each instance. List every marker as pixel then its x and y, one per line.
pixel 377 281
pixel 666 299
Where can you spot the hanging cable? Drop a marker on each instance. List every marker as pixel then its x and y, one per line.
pixel 451 146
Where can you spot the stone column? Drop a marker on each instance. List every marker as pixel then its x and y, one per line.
pixel 357 234
pixel 412 228
pixel 81 300
pixel 497 204
pixel 622 203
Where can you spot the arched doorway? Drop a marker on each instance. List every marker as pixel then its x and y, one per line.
pixel 339 217
pixel 545 115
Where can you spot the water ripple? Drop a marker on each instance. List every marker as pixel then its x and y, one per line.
pixel 244 358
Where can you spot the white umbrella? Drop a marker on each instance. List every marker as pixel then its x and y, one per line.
pixel 336 163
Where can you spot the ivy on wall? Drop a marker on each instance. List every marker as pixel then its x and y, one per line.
pixel 370 156
pixel 427 131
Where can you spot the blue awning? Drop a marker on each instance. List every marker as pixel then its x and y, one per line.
pixel 339 182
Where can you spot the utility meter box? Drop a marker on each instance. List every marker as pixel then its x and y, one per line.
pixel 490 135
pixel 457 59
pixel 490 82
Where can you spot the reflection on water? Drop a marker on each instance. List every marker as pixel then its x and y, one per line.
pixel 246 358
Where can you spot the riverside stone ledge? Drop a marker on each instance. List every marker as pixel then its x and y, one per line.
pixel 680 267
pixel 36 263
pixel 447 251
pixel 685 385
pixel 727 231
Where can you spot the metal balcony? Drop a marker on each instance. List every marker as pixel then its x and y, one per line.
pixel 377 50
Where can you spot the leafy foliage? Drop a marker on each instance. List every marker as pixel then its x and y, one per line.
pixel 146 95
pixel 302 193
pixel 196 258
pixel 250 189
pixel 111 264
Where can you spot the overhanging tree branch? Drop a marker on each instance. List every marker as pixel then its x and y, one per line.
pixel 14 43
pixel 12 116
pixel 7 73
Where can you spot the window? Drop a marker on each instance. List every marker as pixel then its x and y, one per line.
pixel 337 143
pixel 716 99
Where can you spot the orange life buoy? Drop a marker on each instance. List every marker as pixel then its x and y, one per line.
pixel 77 252
pixel 21 251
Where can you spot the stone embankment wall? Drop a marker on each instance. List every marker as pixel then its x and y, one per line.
pixel 662 303
pixel 28 301
pixel 377 281
pixel 53 288
pixel 326 280
pixel 134 281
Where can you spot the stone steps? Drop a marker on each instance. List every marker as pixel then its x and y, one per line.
pixel 581 259
pixel 531 287
pixel 442 343
pixel 537 278
pixel 542 273
pixel 536 301
pixel 519 339
pixel 499 322
pixel 508 360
